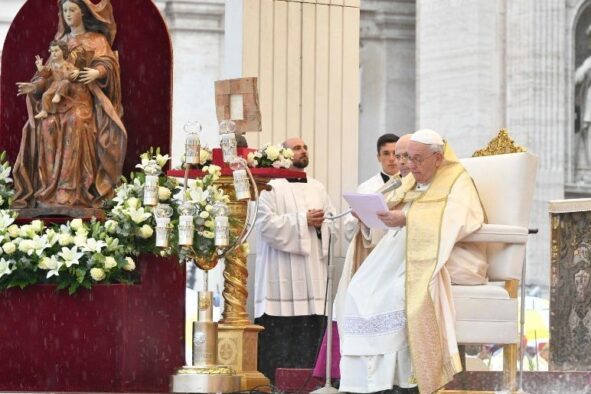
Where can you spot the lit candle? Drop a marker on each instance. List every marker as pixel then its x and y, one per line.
pixel 186 226
pixel 192 143
pixel 241 185
pixel 163 212
pixel 151 183
pixel 229 147
pixel 222 226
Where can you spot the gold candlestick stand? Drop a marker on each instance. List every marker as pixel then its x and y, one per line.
pixel 205 375
pixel 234 342
pixel 238 337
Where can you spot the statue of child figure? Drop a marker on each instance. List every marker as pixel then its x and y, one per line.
pixel 59 71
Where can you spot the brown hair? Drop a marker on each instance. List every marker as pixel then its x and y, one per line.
pixel 62 45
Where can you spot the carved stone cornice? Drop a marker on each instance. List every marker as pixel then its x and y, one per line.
pixel 195 15
pixel 388 19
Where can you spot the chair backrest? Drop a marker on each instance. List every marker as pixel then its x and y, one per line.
pixel 506 186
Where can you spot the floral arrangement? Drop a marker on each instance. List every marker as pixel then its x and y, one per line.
pixel 275 156
pixel 6 191
pixel 78 254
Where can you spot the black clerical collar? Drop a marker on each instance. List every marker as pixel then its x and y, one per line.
pixel 297 180
pixel 385 177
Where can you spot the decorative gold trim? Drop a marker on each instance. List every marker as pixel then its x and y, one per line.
pixel 214 370
pixel 500 145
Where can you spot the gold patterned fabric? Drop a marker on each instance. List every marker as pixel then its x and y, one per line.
pixel 432 363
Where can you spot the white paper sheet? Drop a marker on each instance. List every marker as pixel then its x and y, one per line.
pixel 366 206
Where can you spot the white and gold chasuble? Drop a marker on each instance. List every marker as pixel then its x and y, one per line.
pixel 397 322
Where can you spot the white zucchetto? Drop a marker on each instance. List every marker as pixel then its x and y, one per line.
pixel 427 136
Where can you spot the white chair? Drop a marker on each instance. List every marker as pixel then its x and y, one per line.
pixel 488 314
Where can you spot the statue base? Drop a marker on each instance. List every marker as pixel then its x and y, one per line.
pixel 238 348
pixel 215 379
pixel 71 212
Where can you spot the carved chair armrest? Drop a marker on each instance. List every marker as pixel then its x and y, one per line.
pixel 499 233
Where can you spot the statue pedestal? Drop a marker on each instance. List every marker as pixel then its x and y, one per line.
pixel 237 348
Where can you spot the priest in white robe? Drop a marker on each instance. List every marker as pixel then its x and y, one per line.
pixel 397 326
pixel 290 279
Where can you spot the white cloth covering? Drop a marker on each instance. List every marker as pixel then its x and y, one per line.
pixel 375 354
pixel 291 258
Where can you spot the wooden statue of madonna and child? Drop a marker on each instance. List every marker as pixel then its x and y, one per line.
pixel 73 143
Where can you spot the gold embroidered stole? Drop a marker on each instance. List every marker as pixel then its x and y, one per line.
pixel 433 365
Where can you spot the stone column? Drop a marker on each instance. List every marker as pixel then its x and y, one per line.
pixel 537 108
pixel 197 32
pixel 483 65
pixel 387 66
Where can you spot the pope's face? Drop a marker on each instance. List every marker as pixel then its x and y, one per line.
pixel 72 14
pixel 402 155
pixel 423 162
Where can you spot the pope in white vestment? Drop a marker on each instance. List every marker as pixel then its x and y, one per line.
pixel 397 326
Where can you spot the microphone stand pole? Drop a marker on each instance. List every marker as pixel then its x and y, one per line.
pixel 328 388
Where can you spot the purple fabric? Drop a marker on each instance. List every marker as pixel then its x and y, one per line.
pixel 320 367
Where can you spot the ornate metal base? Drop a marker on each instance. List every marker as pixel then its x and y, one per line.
pixel 217 379
pixel 238 348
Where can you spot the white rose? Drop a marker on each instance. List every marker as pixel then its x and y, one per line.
pixel 145 231
pixel 77 224
pixel 110 262
pixel 204 215
pixel 9 248
pixel 13 231
pixel 272 152
pixel 276 164
pixel 287 153
pixel 37 226
pixel 133 203
pixel 27 231
pixel 26 246
pixel 164 193
pixel 97 274
pixel 47 264
pixel 129 264
pixel 65 239
pixel 208 234
pixel 111 226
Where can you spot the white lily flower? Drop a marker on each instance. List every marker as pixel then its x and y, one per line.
pixel 138 215
pixel 4 172
pixel 94 246
pixel 71 256
pixel 5 219
pixel 53 266
pixel 6 267
pixel 39 244
pixel 162 160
